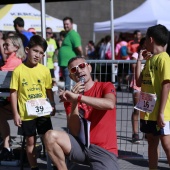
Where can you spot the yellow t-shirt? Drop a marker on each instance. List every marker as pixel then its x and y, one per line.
pixel 155 71
pixel 50 51
pixel 30 83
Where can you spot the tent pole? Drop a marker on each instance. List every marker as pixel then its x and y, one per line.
pixel 94 37
pixel 43 26
pixel 112 37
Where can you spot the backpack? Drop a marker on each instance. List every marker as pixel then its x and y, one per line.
pixel 123 52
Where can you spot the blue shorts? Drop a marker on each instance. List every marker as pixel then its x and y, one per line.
pixel 94 156
pixel 148 126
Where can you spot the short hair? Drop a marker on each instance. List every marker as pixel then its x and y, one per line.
pixel 49 28
pixel 107 38
pixel 73 59
pixel 136 31
pixel 91 42
pixel 68 18
pixel 38 40
pixel 16 41
pixel 62 33
pixel 159 33
pixel 19 21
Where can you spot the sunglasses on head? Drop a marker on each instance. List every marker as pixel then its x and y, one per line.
pixel 74 69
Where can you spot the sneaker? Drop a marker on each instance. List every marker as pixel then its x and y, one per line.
pixel 135 139
pixel 5 155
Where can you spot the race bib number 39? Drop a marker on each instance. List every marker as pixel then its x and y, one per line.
pixel 146 102
pixel 38 107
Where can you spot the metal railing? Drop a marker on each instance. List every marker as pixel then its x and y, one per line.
pixel 101 71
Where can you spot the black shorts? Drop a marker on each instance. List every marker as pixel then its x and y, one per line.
pixel 52 73
pixel 38 125
pixel 94 156
pixel 147 126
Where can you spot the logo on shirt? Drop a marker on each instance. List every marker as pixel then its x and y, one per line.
pixel 24 82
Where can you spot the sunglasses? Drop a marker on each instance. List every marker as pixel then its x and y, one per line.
pixel 49 32
pixel 73 70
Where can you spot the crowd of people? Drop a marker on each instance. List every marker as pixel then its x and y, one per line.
pixel 31 101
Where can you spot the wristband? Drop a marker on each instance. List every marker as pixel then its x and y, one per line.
pixel 139 60
pixel 52 104
pixel 79 97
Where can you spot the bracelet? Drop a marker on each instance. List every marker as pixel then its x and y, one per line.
pixel 79 97
pixel 139 60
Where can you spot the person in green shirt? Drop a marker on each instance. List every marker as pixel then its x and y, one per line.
pixel 71 47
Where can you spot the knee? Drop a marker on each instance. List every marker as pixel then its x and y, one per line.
pixel 50 137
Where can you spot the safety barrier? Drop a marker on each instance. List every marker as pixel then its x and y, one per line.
pixel 106 70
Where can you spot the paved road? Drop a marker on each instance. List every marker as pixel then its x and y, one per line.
pixel 134 154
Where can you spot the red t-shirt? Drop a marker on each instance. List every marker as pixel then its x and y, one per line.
pixel 133 46
pixel 103 122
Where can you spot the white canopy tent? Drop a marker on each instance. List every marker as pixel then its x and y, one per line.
pixel 151 12
pixel 31 16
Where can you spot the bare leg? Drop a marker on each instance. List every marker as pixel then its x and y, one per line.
pixel 153 154
pixel 57 145
pixel 165 141
pixel 31 153
pixel 135 114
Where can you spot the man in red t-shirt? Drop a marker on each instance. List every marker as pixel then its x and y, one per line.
pixel 92 101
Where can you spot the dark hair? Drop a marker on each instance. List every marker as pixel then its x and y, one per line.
pixel 68 18
pixel 38 40
pixel 19 21
pixel 122 37
pixel 91 42
pixel 48 28
pixel 107 38
pixel 159 33
pixel 62 33
pixel 141 43
pixel 136 31
pixel 73 59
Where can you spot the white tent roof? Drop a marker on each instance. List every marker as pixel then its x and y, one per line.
pixel 31 16
pixel 151 12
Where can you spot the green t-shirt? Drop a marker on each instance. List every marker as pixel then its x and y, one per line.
pixel 155 71
pixel 50 51
pixel 67 50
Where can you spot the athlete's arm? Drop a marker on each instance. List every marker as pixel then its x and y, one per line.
pixel 14 105
pixel 163 100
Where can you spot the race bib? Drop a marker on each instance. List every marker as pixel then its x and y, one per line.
pixel 38 107
pixel 146 102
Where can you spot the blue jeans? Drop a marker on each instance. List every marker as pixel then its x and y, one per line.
pixel 66 77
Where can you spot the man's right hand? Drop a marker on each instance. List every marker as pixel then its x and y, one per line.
pixel 78 88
